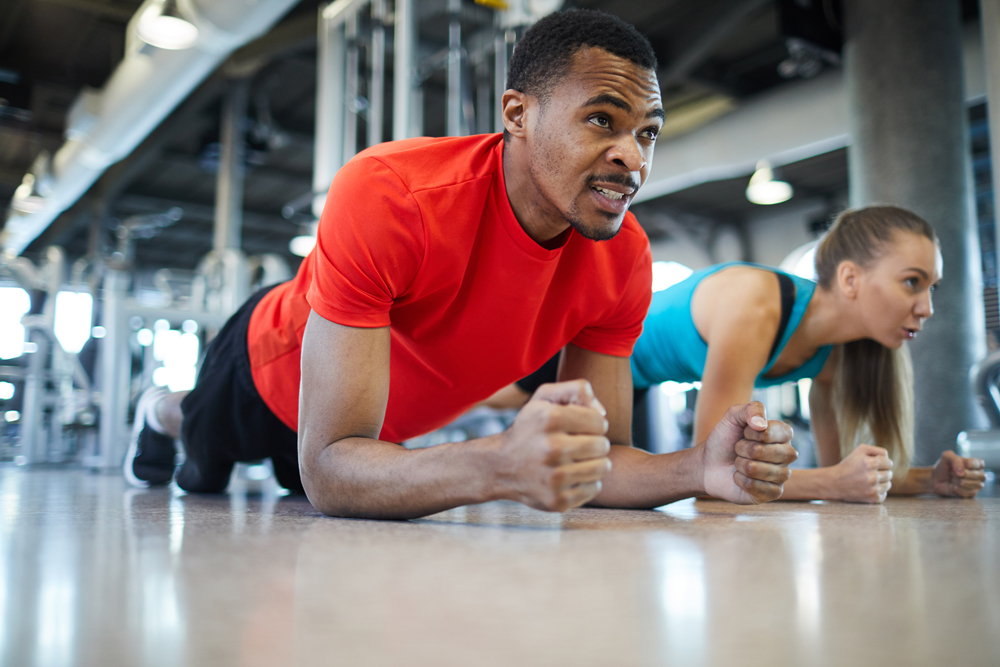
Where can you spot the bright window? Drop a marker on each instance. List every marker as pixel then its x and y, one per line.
pixel 14 303
pixel 666 274
pixel 74 312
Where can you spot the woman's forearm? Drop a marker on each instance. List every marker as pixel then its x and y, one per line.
pixel 918 480
pixel 811 484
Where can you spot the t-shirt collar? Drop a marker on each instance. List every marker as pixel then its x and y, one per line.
pixel 510 222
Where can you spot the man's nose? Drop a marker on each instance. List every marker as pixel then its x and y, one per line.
pixel 627 153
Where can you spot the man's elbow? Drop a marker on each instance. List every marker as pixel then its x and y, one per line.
pixel 324 490
pixel 322 497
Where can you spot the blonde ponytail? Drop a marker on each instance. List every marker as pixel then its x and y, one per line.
pixel 873 400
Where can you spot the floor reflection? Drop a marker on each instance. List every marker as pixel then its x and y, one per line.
pixel 93 573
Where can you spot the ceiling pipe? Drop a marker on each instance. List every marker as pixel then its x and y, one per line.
pixel 105 125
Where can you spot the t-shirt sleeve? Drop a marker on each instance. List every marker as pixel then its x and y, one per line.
pixel 615 334
pixel 369 245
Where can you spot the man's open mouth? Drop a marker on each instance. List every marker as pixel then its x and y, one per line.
pixel 610 194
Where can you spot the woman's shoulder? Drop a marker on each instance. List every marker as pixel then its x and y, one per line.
pixel 742 287
pixel 738 302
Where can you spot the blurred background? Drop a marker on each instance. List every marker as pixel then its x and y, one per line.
pixel 160 160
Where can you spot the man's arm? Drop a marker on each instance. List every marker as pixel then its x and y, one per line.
pixel 744 458
pixel 552 458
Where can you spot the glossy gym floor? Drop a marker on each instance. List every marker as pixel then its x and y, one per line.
pixel 95 573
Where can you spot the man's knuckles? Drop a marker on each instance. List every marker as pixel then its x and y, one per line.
pixel 760 470
pixel 778 453
pixel 759 491
pixel 776 432
pixel 573 419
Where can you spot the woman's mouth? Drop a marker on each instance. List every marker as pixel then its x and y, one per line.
pixel 910 334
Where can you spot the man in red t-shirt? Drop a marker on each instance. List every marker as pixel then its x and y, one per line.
pixel 445 269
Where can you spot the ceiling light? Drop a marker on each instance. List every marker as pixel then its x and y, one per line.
pixel 764 189
pixel 163 26
pixel 27 198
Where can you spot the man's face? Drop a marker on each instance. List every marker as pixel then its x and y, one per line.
pixel 591 144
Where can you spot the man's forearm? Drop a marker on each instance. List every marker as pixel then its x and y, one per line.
pixel 640 480
pixel 364 478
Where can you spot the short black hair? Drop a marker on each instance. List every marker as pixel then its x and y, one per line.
pixel 546 51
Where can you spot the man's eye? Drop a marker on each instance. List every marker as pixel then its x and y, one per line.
pixel 600 121
pixel 651 134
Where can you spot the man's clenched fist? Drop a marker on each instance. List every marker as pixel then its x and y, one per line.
pixel 746 457
pixel 554 455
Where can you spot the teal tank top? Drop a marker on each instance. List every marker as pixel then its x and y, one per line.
pixel 670 347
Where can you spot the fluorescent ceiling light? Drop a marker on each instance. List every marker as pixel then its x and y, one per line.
pixel 163 26
pixel 764 189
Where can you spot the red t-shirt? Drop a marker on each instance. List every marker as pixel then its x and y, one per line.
pixel 418 235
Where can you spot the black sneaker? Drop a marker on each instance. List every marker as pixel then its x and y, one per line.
pixel 151 456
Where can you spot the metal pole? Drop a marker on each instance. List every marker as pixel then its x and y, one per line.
pixel 329 142
pixel 37 442
pixel 500 76
pixel 484 110
pixel 115 368
pixel 376 86
pixel 454 114
pixel 989 20
pixel 229 184
pixel 33 441
pixel 351 87
pixel 404 48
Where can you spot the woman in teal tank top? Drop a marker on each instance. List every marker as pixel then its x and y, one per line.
pixel 725 327
pixel 738 326
pixel 672 349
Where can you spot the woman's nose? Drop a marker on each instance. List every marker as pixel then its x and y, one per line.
pixel 925 306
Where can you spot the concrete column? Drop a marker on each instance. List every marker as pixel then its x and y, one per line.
pixel 229 188
pixel 909 146
pixel 989 19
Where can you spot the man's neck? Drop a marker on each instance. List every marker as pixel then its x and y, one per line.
pixel 537 217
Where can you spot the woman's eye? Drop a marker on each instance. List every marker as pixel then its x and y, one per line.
pixel 933 288
pixel 913 282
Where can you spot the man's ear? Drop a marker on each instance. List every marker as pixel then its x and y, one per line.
pixel 514 106
pixel 848 276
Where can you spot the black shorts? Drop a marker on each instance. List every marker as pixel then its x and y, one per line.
pixel 225 419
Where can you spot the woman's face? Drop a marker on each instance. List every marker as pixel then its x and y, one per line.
pixel 894 293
